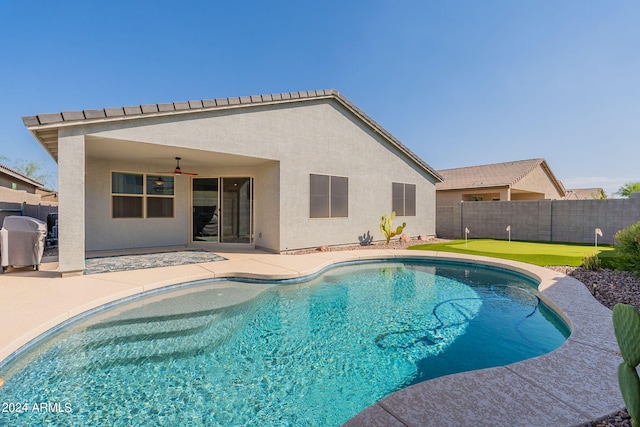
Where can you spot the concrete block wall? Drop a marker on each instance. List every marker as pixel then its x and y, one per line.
pixel 445 223
pixel 576 220
pixel 572 221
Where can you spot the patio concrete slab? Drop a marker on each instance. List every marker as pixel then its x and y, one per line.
pixel 286 266
pixel 491 397
pixel 252 268
pixel 569 386
pixel 558 373
pixel 31 304
pixel 153 278
pixel 374 416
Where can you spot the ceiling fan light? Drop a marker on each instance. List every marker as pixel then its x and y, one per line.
pixel 159 181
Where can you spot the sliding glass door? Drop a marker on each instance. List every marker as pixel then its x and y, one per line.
pixel 237 201
pixel 222 210
pixel 205 210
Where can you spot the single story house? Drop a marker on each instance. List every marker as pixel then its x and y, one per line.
pixel 14 180
pixel 279 172
pixel 585 194
pixel 518 180
pixel 22 195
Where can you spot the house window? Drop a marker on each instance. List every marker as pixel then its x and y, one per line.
pixel 329 196
pixel 141 196
pixel 403 199
pixel 159 196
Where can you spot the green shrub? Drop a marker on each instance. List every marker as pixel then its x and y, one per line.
pixel 592 263
pixel 608 259
pixel 628 249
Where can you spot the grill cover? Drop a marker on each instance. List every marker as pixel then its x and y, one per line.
pixel 22 241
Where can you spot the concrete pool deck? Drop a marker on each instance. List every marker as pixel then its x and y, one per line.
pixel 572 385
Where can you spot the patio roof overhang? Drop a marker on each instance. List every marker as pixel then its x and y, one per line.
pixel 162 156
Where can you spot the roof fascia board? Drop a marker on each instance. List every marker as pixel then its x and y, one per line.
pixel 480 187
pixel 64 124
pixel 292 97
pixel 559 186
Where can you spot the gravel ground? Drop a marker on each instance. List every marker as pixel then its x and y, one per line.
pixel 393 244
pixel 607 286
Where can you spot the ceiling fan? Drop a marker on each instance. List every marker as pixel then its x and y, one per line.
pixel 178 171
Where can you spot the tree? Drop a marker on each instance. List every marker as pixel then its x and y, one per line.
pixel 628 188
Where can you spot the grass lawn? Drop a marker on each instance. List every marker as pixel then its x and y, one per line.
pixel 532 252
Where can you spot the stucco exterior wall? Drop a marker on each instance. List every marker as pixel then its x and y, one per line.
pixel 537 181
pixel 107 233
pixel 452 197
pixel 526 196
pixel 71 208
pixel 339 146
pixel 8 182
pixel 312 137
pixel 8 195
pixel 267 206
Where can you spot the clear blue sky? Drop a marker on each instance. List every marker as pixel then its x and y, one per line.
pixel 460 83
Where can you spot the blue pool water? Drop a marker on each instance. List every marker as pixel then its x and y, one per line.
pixel 311 353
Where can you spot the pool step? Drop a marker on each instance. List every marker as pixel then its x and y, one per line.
pixel 140 340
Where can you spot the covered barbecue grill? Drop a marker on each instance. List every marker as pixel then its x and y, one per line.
pixel 22 242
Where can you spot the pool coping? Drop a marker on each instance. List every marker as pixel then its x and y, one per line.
pixel 572 385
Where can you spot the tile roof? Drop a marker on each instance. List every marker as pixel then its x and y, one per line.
pixel 45 127
pixel 584 193
pixel 504 174
pixel 20 176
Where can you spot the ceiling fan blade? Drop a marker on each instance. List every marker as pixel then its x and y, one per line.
pixel 175 173
pixel 178 171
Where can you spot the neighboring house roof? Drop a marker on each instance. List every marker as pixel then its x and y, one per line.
pixel 584 193
pixel 45 126
pixel 505 174
pixel 20 177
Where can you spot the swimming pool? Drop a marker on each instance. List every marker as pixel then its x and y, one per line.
pixel 312 353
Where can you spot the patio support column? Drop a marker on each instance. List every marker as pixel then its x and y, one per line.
pixel 71 207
